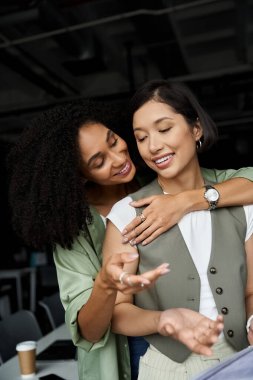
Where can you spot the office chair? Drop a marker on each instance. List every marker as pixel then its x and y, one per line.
pixel 54 309
pixel 15 328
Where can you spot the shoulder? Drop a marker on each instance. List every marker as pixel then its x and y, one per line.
pixel 124 202
pixel 122 213
pixel 121 207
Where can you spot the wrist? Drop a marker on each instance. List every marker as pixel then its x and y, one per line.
pixel 212 197
pixel 194 200
pixel 103 283
pixel 156 320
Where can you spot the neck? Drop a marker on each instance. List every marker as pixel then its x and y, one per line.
pixel 104 197
pixel 186 181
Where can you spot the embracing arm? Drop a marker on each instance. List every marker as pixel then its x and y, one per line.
pixel 164 211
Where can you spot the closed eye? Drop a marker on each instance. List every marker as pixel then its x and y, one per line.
pixel 165 130
pixel 114 143
pixel 99 164
pixel 141 139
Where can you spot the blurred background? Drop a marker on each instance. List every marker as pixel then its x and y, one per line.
pixel 52 51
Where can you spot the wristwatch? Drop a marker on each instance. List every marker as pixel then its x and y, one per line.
pixel 212 196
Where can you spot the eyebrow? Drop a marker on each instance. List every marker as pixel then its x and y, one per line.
pixel 99 154
pixel 155 122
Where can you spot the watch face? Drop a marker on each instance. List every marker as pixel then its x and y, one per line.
pixel 212 195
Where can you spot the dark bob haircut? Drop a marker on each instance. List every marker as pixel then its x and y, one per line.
pixel 182 100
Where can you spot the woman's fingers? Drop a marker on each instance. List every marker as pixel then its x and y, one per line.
pixel 131 231
pixel 135 228
pixel 144 232
pixel 191 328
pixel 113 266
pixel 143 202
pixel 148 236
pixel 135 283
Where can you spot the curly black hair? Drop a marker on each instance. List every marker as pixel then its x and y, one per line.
pixel 46 186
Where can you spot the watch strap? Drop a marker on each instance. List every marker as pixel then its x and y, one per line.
pixel 212 204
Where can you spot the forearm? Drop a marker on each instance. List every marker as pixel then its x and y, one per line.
pixel 95 316
pixel 234 192
pixel 131 320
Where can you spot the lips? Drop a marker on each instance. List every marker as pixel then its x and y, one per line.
pixel 126 169
pixel 163 161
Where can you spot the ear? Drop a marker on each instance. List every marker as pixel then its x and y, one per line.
pixel 197 130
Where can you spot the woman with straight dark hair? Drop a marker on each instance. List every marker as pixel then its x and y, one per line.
pixel 210 251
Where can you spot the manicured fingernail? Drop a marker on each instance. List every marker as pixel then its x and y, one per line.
pixel 164 265
pixel 144 243
pixel 124 232
pixel 164 271
pixel 125 240
pixel 133 255
pixel 132 242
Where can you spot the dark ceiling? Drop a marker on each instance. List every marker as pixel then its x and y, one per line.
pixel 55 50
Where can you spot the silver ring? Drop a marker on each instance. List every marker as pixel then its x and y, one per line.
pixel 121 277
pixel 142 285
pixel 142 217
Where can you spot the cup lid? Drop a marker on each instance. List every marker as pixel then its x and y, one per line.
pixel 27 345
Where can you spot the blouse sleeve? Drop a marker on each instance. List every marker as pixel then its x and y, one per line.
pixel 122 213
pixel 215 175
pixel 76 273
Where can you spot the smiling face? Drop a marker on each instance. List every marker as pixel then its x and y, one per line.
pixel 166 142
pixel 105 156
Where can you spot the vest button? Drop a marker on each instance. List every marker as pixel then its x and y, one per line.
pixel 190 299
pixel 219 290
pixel 224 310
pixel 213 270
pixel 230 333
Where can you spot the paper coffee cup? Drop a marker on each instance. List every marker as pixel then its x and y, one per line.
pixel 27 358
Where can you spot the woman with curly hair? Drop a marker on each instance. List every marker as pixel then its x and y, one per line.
pixel 66 171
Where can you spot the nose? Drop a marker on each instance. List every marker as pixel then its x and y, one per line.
pixel 155 144
pixel 117 159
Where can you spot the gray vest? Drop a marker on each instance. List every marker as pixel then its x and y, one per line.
pixel 227 275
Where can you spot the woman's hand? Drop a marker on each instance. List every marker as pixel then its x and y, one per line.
pixel 112 274
pixel 191 328
pixel 161 213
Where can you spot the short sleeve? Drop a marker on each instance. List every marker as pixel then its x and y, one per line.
pixel 122 213
pixel 215 175
pixel 76 273
pixel 249 218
